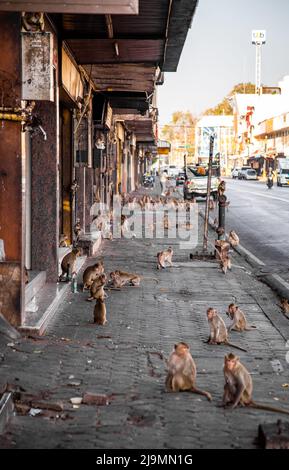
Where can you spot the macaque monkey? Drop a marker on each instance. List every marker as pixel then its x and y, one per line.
pixel 121 278
pixel 218 330
pixel 239 386
pixel 91 273
pixel 33 21
pixel 233 238
pixel 284 306
pixel 239 319
pixel 165 257
pixel 68 264
pixel 226 264
pixel 97 287
pixel 222 248
pixel 212 205
pixel 182 372
pixel 77 229
pixel 222 188
pixel 166 222
pixel 63 241
pixel 99 313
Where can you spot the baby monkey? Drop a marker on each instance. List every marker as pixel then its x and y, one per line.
pixel 239 319
pixel 238 387
pixel 182 372
pixel 165 257
pixel 97 287
pixel 218 330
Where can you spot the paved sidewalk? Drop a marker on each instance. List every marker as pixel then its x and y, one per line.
pixel 125 359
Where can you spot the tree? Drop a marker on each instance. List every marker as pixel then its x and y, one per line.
pixel 225 106
pixel 181 130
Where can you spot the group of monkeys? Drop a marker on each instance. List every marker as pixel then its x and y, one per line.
pixel 238 388
pixel 181 375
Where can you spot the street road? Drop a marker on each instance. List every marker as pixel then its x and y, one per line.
pixel 261 218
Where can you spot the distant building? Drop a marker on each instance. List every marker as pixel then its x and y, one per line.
pixel 261 127
pixel 223 127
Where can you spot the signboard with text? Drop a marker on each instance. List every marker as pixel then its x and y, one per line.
pixel 258 36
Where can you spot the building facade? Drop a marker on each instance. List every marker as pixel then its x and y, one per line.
pixel 78 126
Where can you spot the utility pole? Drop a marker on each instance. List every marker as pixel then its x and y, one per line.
pixel 206 225
pixel 258 40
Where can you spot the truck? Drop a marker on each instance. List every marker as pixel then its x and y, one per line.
pixel 197 181
pixel 283 172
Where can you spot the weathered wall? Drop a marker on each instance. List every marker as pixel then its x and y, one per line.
pixel 11 202
pixel 45 193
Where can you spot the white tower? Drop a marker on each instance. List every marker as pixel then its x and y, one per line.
pixel 258 39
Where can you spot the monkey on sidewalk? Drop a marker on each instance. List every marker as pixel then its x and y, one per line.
pixel 182 372
pixel 238 387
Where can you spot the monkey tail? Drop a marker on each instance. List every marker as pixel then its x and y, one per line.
pixel 152 279
pixel 201 392
pixel 259 406
pixel 235 346
pixel 251 327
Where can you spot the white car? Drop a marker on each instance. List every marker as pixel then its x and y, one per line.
pixel 250 174
pixel 235 173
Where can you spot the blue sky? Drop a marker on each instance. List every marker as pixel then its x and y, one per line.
pixel 218 53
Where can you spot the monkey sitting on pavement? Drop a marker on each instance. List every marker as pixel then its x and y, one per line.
pixel 99 313
pixel 91 273
pixel 239 320
pixel 165 257
pixel 285 307
pixel 68 264
pixel 218 330
pixel 238 387
pixel 97 287
pixel 182 372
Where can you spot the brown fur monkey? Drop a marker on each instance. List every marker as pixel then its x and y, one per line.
pixel 218 330
pixel 239 319
pixel 99 313
pixel 285 306
pixel 238 388
pixel 122 278
pixel 233 238
pixel 165 257
pixel 91 273
pixel 68 264
pixel 182 372
pixel 97 287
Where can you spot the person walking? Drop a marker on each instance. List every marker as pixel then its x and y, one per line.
pixel 163 182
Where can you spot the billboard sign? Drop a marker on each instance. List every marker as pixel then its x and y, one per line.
pixel 258 36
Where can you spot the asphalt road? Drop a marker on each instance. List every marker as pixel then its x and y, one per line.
pixel 261 218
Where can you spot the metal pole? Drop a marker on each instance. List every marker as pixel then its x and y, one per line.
pixel 206 225
pixel 222 217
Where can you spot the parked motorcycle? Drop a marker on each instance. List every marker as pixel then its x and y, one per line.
pixel 148 182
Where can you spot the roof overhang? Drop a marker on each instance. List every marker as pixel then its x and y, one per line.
pixel 155 36
pixel 99 7
pixel 142 127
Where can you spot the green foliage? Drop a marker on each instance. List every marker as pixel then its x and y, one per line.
pixel 225 108
pixel 181 123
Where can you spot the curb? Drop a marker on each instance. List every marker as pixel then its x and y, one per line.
pixel 6 410
pixel 274 281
